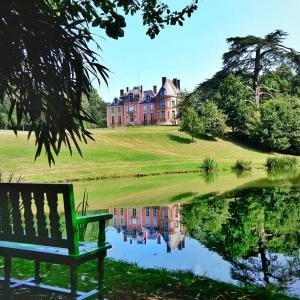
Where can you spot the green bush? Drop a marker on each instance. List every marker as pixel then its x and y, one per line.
pixel 242 165
pixel 214 120
pixel 209 164
pixel 281 163
pixel 279 128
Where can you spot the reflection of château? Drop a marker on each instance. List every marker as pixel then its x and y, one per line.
pixel 154 223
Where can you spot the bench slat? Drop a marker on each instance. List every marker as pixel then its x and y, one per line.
pixel 14 197
pixel 54 216
pixel 40 215
pixel 28 215
pixel 5 224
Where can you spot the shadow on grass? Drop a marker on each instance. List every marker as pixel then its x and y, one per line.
pixel 236 140
pixel 179 139
pixel 182 196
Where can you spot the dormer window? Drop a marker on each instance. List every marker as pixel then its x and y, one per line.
pixel 131 97
pixel 148 98
pixel 162 92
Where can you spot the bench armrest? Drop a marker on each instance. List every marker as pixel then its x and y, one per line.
pixel 93 218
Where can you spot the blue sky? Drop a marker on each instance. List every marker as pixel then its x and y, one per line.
pixel 193 52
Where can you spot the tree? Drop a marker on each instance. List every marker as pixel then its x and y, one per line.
pixel 47 64
pixel 233 97
pixel 213 120
pixel 256 55
pixel 191 123
pixel 252 228
pixel 279 128
pixel 97 109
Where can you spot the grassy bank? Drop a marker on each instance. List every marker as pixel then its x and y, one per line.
pixel 123 152
pixel 127 281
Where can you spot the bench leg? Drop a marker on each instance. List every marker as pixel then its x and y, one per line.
pixel 100 275
pixel 7 276
pixel 37 273
pixel 73 280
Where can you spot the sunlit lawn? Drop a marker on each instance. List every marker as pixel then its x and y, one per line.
pixel 121 152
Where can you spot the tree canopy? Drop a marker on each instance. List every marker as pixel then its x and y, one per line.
pixel 251 228
pixel 47 64
pixel 256 54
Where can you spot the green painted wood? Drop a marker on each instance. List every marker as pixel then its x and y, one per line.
pixel 14 198
pixel 27 235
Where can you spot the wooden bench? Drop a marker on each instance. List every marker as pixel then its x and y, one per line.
pixel 38 222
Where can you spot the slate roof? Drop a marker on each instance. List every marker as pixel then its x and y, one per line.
pixel 169 89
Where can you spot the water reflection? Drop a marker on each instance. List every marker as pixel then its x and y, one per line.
pixel 139 225
pixel 245 236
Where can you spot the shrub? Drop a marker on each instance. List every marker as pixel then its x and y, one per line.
pixel 191 123
pixel 209 164
pixel 242 165
pixel 281 163
pixel 280 125
pixel 213 119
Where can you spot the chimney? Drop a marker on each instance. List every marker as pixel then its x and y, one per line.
pixel 142 91
pixel 127 89
pixel 163 80
pixel 121 93
pixel 155 89
pixel 178 84
pixel 168 248
pixel 175 81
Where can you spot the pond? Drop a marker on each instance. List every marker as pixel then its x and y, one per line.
pixel 249 234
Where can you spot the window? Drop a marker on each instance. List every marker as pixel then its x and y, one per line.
pixel 131 108
pixel 162 92
pixel 130 97
pixel 119 109
pixel 119 120
pixel 173 114
pixel 112 109
pixel 148 98
pixel 163 115
pixel 115 211
pixel 122 211
pixel 166 213
pixel 134 212
pixel 166 225
pixel 147 212
pixel 151 106
pixel 173 103
pixel 131 118
pixel 122 221
pixel 162 104
pixel 152 117
pixel 154 211
pixel 145 118
pixel 133 221
pixel 168 115
pixel 113 120
pixel 145 108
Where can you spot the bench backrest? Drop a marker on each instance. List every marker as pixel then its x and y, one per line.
pixel 29 214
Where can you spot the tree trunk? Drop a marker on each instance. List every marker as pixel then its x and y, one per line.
pixel 264 260
pixel 255 78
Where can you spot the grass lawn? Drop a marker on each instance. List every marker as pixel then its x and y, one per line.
pixel 124 151
pixel 127 281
